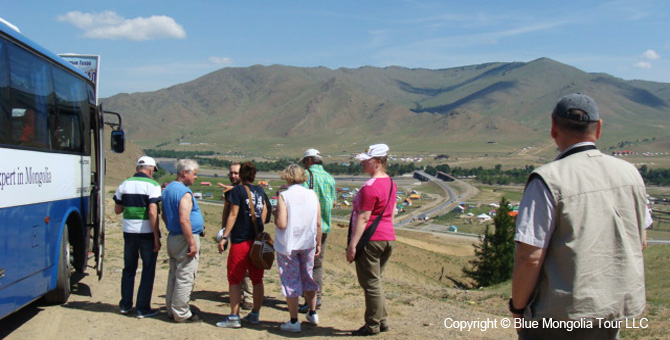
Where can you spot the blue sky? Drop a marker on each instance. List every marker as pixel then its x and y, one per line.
pixel 152 44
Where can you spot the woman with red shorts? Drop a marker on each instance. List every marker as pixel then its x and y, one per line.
pixel 239 232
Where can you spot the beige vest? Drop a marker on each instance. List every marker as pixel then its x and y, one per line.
pixel 593 266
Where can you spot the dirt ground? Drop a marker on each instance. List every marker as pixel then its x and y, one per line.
pixel 418 303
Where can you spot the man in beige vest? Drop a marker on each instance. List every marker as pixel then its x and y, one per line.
pixel 580 232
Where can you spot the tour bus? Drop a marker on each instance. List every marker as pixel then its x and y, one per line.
pixel 52 170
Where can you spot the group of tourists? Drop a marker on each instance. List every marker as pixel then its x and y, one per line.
pixel 302 219
pixel 580 233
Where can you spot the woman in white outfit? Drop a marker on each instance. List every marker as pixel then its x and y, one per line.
pixel 297 242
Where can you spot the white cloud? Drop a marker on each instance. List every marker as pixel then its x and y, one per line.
pixel 651 55
pixel 109 25
pixel 642 64
pixel 221 60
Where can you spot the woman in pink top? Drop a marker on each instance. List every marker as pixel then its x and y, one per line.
pixel 374 204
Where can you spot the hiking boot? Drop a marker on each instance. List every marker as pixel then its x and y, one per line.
pixel 384 328
pixel 290 327
pixel 148 314
pixel 313 318
pixel 363 331
pixel 230 321
pixel 252 318
pixel 124 311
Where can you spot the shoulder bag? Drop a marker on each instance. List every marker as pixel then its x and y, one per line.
pixel 262 252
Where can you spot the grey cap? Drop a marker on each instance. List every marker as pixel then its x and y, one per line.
pixel 580 102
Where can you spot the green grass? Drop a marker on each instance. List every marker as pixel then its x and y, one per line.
pixel 657 272
pixel 430 188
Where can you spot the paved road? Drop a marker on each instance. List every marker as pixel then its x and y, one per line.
pixel 450 202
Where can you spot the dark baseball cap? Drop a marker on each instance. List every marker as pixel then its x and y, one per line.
pixel 580 102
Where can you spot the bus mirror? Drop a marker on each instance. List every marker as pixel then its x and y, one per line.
pixel 118 141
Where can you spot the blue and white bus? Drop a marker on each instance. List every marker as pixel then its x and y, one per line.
pixel 51 173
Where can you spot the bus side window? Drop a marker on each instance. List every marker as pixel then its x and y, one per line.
pixel 71 104
pixel 5 114
pixel 31 90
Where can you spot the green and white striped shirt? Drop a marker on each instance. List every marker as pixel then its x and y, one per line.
pixel 135 194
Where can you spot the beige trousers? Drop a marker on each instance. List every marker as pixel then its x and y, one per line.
pixel 181 277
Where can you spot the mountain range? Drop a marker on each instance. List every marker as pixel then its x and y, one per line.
pixel 492 108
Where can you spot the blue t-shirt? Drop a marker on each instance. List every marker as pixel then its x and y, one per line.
pixel 172 194
pixel 244 227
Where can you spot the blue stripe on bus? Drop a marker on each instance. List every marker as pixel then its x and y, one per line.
pixel 29 249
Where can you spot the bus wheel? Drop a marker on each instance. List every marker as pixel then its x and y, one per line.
pixel 62 291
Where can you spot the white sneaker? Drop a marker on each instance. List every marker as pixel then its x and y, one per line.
pixel 290 327
pixel 313 319
pixel 230 321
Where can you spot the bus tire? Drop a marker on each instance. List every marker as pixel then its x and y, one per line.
pixel 62 291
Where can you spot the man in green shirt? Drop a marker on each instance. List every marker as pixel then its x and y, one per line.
pixel 324 185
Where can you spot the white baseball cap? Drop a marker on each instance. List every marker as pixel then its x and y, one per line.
pixel 146 160
pixel 375 150
pixel 311 153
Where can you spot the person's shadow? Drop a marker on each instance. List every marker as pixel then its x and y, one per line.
pixel 307 329
pixel 12 322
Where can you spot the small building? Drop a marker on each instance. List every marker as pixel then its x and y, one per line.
pixel 197 195
pixel 206 184
pixel 415 196
pixel 407 202
pixel 453 229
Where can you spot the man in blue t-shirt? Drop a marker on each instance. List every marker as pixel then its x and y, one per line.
pixel 184 223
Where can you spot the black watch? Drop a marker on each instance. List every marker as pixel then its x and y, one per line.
pixel 514 310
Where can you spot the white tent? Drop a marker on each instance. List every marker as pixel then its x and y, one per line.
pixel 483 217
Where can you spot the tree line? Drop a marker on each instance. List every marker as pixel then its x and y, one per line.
pixel 492 176
pixel 496 175
pixel 655 176
pixel 354 168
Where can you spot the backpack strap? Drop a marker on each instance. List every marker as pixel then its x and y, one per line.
pixel 311 179
pixel 253 212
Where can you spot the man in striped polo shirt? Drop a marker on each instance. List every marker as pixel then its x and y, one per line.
pixel 137 198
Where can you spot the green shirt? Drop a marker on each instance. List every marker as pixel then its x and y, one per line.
pixel 324 186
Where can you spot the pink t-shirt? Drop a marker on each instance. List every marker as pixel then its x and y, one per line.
pixel 372 197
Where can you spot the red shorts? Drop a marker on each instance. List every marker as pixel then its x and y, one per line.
pixel 239 263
